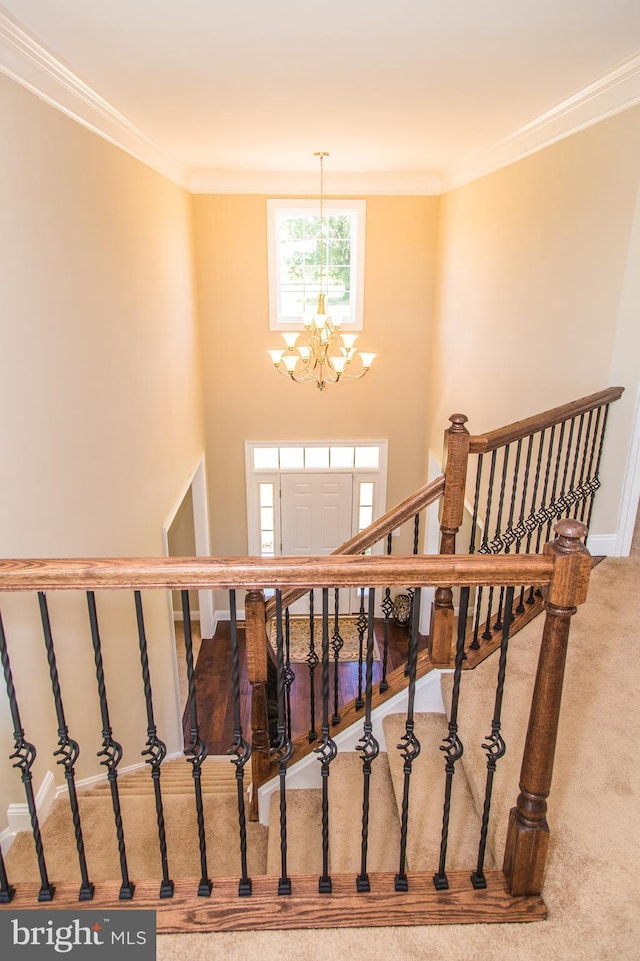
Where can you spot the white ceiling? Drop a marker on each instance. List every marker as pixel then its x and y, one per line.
pixel 415 89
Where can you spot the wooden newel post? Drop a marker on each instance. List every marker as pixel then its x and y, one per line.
pixel 528 831
pixel 456 457
pixel 256 638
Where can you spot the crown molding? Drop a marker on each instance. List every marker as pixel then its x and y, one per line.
pixel 29 63
pixel 278 182
pixel 25 60
pixel 613 93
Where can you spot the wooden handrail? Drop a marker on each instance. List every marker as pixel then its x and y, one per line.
pixel 482 443
pixel 394 518
pixel 255 573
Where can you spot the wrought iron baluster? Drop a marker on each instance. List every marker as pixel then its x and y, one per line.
pixel 312 660
pixel 583 489
pixel 327 749
pixel 361 625
pixel 7 891
pixel 283 750
pixel 572 495
pixel 452 745
pixel 241 750
pixel 595 481
pixel 387 610
pixel 499 542
pixel 562 503
pixel 369 749
pixel 485 548
pixel 289 675
pixel 475 643
pixel 520 529
pixel 410 590
pixel 494 746
pixel 196 752
pixel 588 480
pixel 111 749
pixel 68 750
pixel 409 748
pixel 24 754
pixel 550 513
pixel 336 644
pixel 155 750
pixel 543 513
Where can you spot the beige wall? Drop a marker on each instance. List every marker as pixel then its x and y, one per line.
pixel 246 399
pixel 538 303
pixel 100 406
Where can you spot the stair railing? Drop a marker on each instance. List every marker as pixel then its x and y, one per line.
pixel 528 475
pixel 362 898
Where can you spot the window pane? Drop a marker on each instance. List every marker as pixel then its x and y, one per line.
pixel 266 495
pixel 367 457
pixel 316 457
pixel 265 458
pixel 291 457
pixel 266 544
pixel 366 517
pixel 341 457
pixel 366 494
pixel 266 518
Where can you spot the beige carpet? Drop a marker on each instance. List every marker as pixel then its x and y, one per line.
pixel 592 889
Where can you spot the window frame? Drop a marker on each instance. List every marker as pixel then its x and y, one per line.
pixel 278 206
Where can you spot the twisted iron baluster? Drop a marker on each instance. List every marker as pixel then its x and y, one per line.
pixel 571 496
pixel 24 755
pixel 494 746
pixel 452 745
pixel 595 481
pixel 155 750
pixel 312 660
pixel 520 529
pixel 283 749
pixel 550 513
pixel 68 751
pixel 111 750
pixel 337 644
pixel 369 748
pixel 196 753
pixel 485 548
pixel 543 512
pixel 562 503
pixel 588 479
pixel 327 748
pixel 499 542
pixel 361 625
pixel 582 489
pixel 409 748
pixel 241 750
pixel 289 676
pixel 410 590
pixel 387 610
pixel 475 642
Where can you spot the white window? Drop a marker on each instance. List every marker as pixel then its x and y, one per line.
pixel 302 264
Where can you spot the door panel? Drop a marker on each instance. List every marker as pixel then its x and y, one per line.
pixel 316 519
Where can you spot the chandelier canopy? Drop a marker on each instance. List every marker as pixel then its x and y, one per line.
pixel 321 354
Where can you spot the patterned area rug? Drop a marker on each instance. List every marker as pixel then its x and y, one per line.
pixel 299 639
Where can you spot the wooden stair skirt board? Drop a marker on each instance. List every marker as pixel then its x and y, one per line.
pixel 304 907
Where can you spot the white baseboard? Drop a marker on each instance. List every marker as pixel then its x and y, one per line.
pixel 179 616
pixel 226 616
pixel 602 544
pixel 18 817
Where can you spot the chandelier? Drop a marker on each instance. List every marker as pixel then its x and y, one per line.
pixel 321 354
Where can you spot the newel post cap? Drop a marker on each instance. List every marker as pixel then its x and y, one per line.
pixel 570 535
pixel 458 421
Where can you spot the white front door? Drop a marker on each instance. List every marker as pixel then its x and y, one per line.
pixel 316 518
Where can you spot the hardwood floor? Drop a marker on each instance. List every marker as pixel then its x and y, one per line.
pixel 214 695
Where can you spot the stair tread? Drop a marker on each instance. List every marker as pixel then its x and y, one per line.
pixel 427 787
pixel 141 838
pixel 304 841
pixel 345 819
